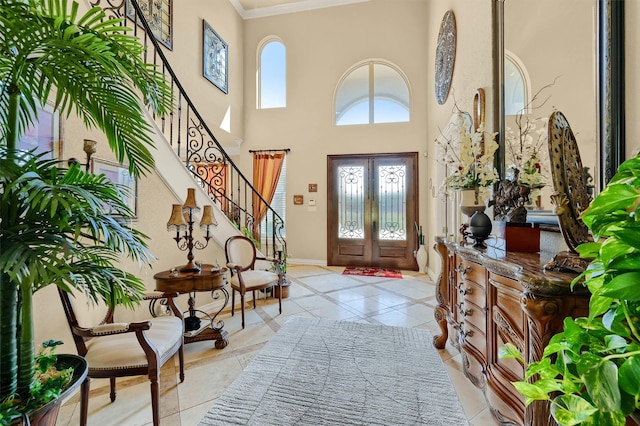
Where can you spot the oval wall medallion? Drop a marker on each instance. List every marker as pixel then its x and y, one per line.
pixel 445 56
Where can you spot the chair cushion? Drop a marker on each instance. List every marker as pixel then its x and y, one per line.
pixel 255 279
pixel 121 351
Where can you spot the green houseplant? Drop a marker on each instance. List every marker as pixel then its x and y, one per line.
pixel 59 225
pixel 590 372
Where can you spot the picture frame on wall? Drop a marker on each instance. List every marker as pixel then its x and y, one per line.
pixel 119 174
pixel 215 54
pixel 159 16
pixel 44 136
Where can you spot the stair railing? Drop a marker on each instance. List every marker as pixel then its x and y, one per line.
pixel 187 132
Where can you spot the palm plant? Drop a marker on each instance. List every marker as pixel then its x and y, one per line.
pixel 58 225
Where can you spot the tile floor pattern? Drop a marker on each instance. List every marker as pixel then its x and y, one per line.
pixel 316 291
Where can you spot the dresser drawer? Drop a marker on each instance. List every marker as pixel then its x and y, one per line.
pixel 474 340
pixel 475 293
pixel 472 314
pixel 471 271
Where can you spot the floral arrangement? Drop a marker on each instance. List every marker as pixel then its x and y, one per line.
pixel 526 148
pixel 526 152
pixel 468 156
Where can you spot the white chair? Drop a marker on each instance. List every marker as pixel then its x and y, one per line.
pixel 241 258
pixel 127 349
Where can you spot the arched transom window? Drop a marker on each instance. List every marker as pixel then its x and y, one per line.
pixel 372 92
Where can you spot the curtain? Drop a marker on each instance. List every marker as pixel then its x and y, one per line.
pixel 266 172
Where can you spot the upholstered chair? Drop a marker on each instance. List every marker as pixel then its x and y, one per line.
pixel 241 260
pixel 118 349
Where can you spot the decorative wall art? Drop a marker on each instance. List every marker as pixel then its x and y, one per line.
pixel 214 58
pixel 158 14
pixel 119 174
pixel 445 56
pixel 43 136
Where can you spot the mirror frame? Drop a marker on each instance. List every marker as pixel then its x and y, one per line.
pixel 610 81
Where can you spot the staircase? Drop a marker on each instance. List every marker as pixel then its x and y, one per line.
pixel 199 150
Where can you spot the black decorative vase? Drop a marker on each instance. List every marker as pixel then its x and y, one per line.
pixel 480 227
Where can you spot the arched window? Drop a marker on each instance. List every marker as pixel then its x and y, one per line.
pixel 272 75
pixel 372 92
pixel 517 87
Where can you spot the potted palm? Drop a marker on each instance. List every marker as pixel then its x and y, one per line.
pixel 60 225
pixel 590 373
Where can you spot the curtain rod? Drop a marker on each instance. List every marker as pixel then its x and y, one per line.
pixel 285 150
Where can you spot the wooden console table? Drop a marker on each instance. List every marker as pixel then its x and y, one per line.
pixel 489 297
pixel 192 282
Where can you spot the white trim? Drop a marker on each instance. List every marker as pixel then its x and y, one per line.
pixel 299 6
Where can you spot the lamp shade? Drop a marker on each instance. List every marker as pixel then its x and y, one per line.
pixel 176 221
pixel 207 218
pixel 190 202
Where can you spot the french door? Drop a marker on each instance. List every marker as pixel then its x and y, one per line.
pixel 372 208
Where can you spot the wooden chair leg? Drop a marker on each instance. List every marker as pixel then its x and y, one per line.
pixel 112 383
pixel 155 400
pixel 280 295
pixel 233 301
pixel 242 307
pixel 181 360
pixel 254 299
pixel 84 401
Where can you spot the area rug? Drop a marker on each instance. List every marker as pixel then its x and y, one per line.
pixel 320 372
pixel 372 272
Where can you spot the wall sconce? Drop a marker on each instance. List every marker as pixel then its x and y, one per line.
pixel 89 148
pixel 182 220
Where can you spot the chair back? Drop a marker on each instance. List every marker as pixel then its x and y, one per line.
pixel 241 251
pixel 67 305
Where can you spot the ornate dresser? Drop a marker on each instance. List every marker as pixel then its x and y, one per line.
pixel 488 297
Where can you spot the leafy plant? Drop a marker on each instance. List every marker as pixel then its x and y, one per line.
pixel 590 372
pixel 48 384
pixel 54 228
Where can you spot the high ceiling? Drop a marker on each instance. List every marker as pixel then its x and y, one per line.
pixel 258 8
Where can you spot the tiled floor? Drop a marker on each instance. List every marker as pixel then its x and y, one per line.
pixel 316 291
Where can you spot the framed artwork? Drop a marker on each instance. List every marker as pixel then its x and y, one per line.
pixel 214 58
pixel 298 199
pixel 44 136
pixel 158 14
pixel 119 174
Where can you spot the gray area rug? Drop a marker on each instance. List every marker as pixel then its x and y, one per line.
pixel 320 372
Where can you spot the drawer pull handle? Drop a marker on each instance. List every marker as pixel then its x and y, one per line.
pixel 464 291
pixel 466 333
pixel 463 271
pixel 464 312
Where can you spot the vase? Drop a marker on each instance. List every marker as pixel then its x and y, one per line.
pixel 470 201
pixel 421 258
pixel 480 227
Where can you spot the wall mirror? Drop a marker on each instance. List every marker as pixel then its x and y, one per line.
pixel 559 44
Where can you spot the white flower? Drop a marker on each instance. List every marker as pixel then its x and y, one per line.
pixel 469 157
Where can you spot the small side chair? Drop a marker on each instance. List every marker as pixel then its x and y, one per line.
pixel 241 258
pixel 127 349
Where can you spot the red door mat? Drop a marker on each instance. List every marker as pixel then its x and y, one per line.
pixel 372 272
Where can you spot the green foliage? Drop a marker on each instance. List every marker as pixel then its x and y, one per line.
pixel 63 226
pixel 591 371
pixel 47 385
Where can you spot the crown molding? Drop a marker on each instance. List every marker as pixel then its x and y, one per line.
pixel 299 6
